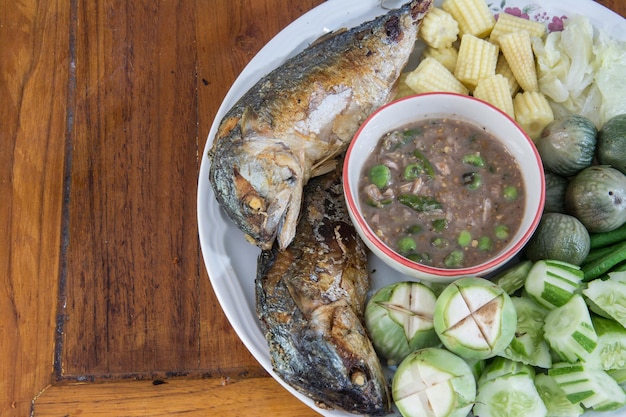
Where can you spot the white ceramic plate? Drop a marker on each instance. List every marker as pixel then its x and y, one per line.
pixel 230 260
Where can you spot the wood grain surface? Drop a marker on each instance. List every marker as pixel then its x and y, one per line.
pixel 105 111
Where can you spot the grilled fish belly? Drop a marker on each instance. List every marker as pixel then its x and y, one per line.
pixel 291 125
pixel 310 301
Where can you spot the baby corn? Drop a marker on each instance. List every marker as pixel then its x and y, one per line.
pixel 517 49
pixel 446 56
pixel 508 23
pixel 473 16
pixel 439 29
pixel 502 68
pixel 495 90
pixel 477 59
pixel 532 112
pixel 431 76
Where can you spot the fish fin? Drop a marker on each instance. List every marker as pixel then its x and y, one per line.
pixel 290 221
pixel 325 37
pixel 252 123
pixel 323 167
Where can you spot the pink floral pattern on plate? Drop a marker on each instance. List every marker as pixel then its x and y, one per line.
pixel 531 11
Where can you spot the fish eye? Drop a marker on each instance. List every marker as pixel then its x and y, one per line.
pixel 358 377
pixel 254 203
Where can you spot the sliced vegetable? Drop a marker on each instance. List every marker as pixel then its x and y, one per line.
pixel 619 375
pixel 554 397
pixel 499 367
pixel 569 331
pixel 512 395
pixel 608 297
pixel 475 318
pixel 594 388
pixel 513 277
pixel 529 346
pixel 553 283
pixel 611 350
pixel 399 319
pixel 433 382
pixel 597 197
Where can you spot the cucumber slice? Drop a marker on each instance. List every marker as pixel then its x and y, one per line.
pixel 433 382
pixel 529 346
pixel 500 367
pixel 554 398
pixel 593 388
pixel 513 395
pixel 611 350
pixel 399 320
pixel 552 283
pixel 569 331
pixel 477 366
pixel 608 298
pixel 619 375
pixel 514 277
pixel 475 318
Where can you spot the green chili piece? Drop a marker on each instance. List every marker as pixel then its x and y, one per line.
pixel 406 244
pixel 472 180
pixel 474 159
pixel 439 242
pixel 501 231
pixel 420 258
pixel 510 192
pixel 429 171
pixel 413 133
pixel 380 175
pixel 419 202
pixel 412 171
pixel 485 243
pixel 454 259
pixel 465 238
pixel 414 229
pixel 439 225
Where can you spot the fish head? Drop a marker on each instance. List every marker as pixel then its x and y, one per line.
pixel 259 186
pixel 342 368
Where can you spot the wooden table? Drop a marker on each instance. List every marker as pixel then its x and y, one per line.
pixel 105 305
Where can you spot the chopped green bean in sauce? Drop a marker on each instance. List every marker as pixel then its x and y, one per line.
pixel 443 192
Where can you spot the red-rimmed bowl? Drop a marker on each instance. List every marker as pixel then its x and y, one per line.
pixel 411 109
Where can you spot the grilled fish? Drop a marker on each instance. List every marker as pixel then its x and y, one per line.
pixel 310 302
pixel 291 125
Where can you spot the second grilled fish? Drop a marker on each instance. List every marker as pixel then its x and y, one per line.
pixel 310 301
pixel 298 118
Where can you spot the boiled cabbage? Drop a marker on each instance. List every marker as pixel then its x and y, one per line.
pixel 582 70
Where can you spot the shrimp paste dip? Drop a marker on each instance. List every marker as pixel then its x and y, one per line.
pixel 442 192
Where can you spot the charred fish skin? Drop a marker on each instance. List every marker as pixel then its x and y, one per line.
pixel 291 125
pixel 310 302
